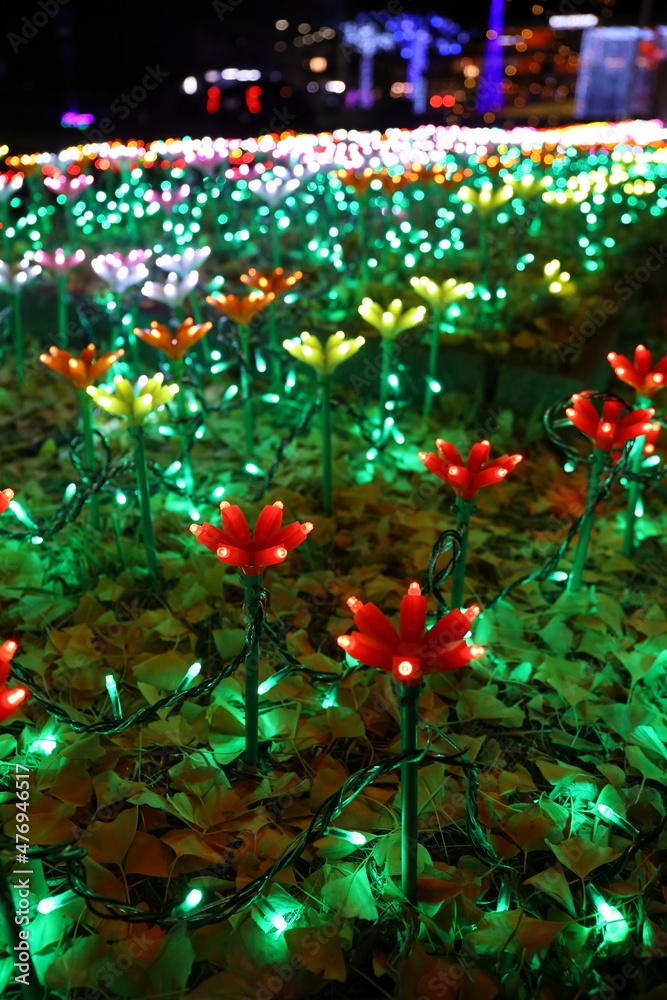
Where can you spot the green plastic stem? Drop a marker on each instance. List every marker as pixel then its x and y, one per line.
pixel 464 510
pixel 61 287
pixel 85 405
pixel 8 909
pixel 18 337
pixel 635 488
pixel 409 775
pixel 586 527
pixel 327 473
pixel 245 388
pixel 145 501
pixel 432 361
pixel 252 590
pixel 387 346
pixel 177 366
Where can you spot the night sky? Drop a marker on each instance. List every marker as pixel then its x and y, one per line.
pixel 88 55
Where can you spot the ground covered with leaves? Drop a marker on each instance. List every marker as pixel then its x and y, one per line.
pixel 563 715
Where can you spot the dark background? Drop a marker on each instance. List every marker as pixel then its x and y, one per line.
pixel 89 54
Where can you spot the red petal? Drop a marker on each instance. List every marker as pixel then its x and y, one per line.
pixel 642 360
pixel 268 523
pixel 370 651
pixel 479 456
pixel 451 627
pixel 449 452
pixel 374 623
pixel 413 617
pixel 434 464
pixel 235 524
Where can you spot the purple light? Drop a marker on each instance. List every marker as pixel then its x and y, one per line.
pixel 490 92
pixel 71 119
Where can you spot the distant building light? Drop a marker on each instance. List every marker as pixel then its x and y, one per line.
pixel 244 75
pixel 212 75
pixel 400 90
pixel 335 86
pixel 304 28
pixel 229 74
pixel 572 22
pixel 318 64
pixel 312 88
pixel 328 32
pixel 282 24
pixel 190 84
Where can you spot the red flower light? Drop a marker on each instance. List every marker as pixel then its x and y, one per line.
pixel 608 431
pixel 412 651
pixel 641 375
pixel 268 544
pixel 468 478
pixel 6 497
pixel 652 436
pixel 10 698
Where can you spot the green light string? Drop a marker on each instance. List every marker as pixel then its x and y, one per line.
pixel 177 366
pixel 61 291
pixel 17 323
pixel 434 350
pixel 248 424
pixel 446 540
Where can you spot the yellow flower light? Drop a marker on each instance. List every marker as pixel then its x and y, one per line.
pixel 134 403
pixel 324 358
pixel 528 185
pixel 487 198
pixel 440 295
pixel 392 321
pixel 560 280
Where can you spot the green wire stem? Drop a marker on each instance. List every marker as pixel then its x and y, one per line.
pixel 61 287
pixel 177 366
pixel 635 488
pixel 327 476
pixel 387 346
pixel 252 591
pixel 18 337
pixel 432 361
pixel 85 405
pixel 586 527
pixel 464 510
pixel 137 434
pixel 409 777
pixel 248 427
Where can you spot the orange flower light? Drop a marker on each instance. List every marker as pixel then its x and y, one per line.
pixel 84 370
pixel 275 282
pixel 241 309
pixel 174 343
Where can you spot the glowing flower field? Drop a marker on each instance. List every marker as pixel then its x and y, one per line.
pixel 402 726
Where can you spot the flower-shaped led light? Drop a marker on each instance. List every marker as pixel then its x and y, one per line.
pixel 651 439
pixel 13 277
pixel 84 370
pixel 10 698
pixel 467 478
pixel 59 261
pixel 133 406
pixel 121 272
pixel 609 430
pixel 392 321
pixel 486 198
pixel 70 187
pixel 360 182
pixel 275 282
pixel 443 294
pixel 174 291
pixel 241 310
pixel 559 281
pixel 641 375
pixel 174 343
pixel 6 497
pixel 167 199
pixel 409 652
pixel 10 183
pixel 184 263
pixel 268 544
pixel 323 358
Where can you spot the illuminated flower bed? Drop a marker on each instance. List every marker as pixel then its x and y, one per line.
pixel 402 721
